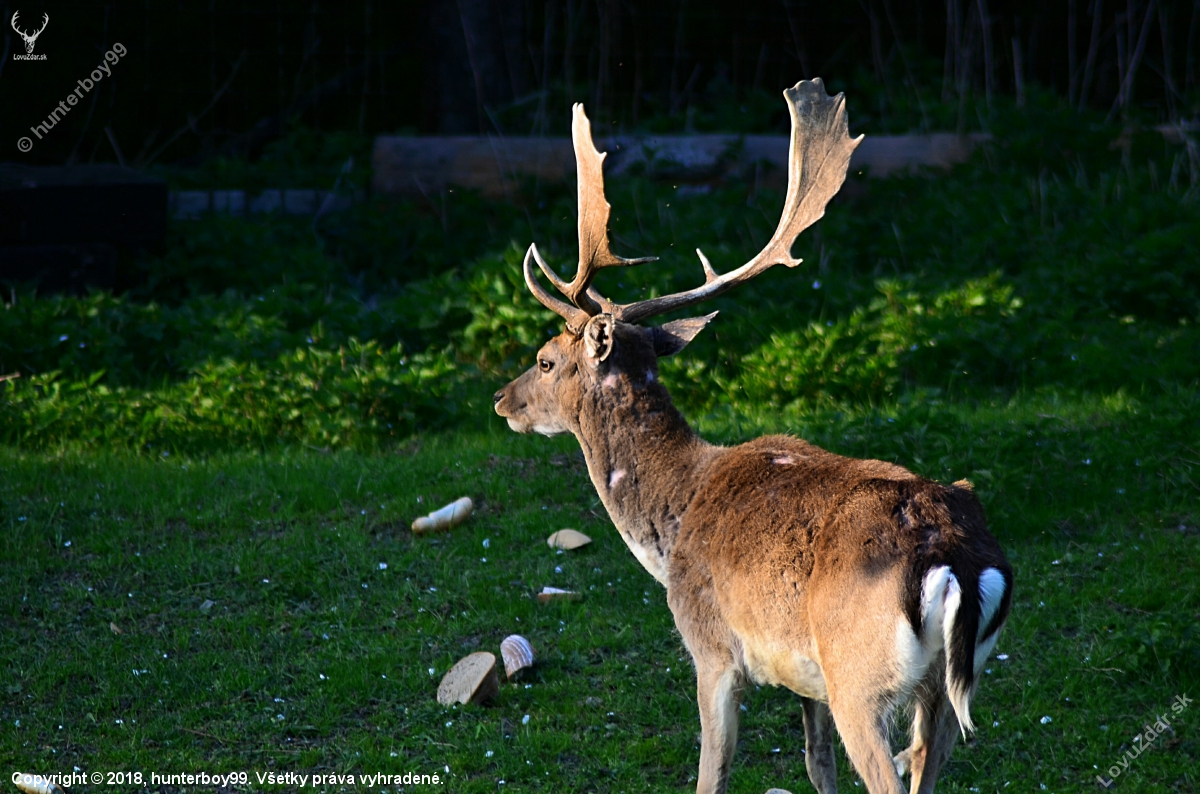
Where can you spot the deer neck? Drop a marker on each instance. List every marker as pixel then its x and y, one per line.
pixel 644 460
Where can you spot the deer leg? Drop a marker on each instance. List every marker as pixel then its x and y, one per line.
pixel 865 735
pixel 818 746
pixel 935 730
pixel 719 691
pixel 863 674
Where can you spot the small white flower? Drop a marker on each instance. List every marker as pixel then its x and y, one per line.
pixel 1045 720
pixel 431 671
pixel 487 542
pixel 1002 657
pixel 525 720
pixel 488 754
pixel 383 566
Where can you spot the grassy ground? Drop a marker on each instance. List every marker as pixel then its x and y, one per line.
pixel 315 657
pixel 254 422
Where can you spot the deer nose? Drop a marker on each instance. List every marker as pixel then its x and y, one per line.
pixel 498 396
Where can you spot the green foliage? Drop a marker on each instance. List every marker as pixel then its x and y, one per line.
pixel 507 324
pixel 356 395
pixel 1064 256
pixel 865 356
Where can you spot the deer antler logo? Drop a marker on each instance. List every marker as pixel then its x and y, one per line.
pixel 30 38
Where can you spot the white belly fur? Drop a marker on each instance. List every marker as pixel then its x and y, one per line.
pixel 785 667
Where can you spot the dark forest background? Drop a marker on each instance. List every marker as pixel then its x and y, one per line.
pixel 212 77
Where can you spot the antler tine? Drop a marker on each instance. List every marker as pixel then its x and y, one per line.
pixel 594 251
pixel 574 316
pixel 817 163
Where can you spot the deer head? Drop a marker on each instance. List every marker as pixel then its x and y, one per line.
pixel 600 340
pixel 30 38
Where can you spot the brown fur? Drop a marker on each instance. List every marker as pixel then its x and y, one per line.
pixel 784 563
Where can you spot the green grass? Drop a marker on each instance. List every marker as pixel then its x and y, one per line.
pixel 288 546
pixel 276 400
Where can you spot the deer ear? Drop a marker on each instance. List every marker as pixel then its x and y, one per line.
pixel 598 337
pixel 670 338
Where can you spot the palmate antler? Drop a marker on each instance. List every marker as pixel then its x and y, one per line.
pixel 817 163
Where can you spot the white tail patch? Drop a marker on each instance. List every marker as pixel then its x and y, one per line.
pixel 912 658
pixel 933 602
pixel 991 593
pixel 913 654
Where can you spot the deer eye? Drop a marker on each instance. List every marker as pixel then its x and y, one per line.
pixel 544 365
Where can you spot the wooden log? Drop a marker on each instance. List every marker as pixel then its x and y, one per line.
pixel 494 166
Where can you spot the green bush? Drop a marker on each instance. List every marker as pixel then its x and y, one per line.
pixel 357 395
pixel 1066 256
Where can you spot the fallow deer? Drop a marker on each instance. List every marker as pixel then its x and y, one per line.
pixel 857 584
